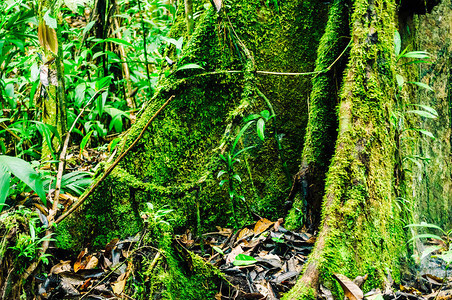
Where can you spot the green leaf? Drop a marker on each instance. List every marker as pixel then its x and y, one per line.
pixel 426 225
pixel 80 91
pixel 88 27
pixel 418 62
pixel 413 160
pixel 251 118
pixel 119 42
pixel 73 4
pixel 85 141
pixel 32 231
pixel 23 170
pixel 103 82
pixel 422 113
pixel 397 43
pixel 218 250
pixel 97 54
pixel 237 177
pixel 46 131
pixel 261 128
pixel 4 186
pixel 244 260
pixel 265 114
pixel 230 161
pixel 422 85
pixel 426 236
pixel 100 103
pixel 189 67
pixel 241 132
pixel 223 182
pixel 113 144
pixel 416 54
pixel 427 133
pixel 50 21
pixel 243 150
pixel 221 173
pixel 427 108
pixel 400 81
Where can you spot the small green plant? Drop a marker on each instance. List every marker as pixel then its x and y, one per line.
pixel 150 215
pixel 29 246
pixel 445 242
pixel 261 118
pixel 399 116
pixel 73 182
pixel 279 240
pixel 232 156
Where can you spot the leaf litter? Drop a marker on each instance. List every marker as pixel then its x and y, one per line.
pixel 258 261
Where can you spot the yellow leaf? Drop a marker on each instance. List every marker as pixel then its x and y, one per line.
pixel 119 285
pixel 47 37
pixel 261 226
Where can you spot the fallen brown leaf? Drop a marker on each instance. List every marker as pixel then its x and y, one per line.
pixel 262 225
pixel 63 266
pixel 351 290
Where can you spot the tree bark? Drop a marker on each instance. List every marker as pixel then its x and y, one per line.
pixel 361 229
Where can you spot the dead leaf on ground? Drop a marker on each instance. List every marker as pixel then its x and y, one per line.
pixel 262 225
pixel 119 285
pixel 109 247
pixel 78 262
pixel 63 266
pixel 351 290
pixel 231 256
pixel 410 290
pixel 278 223
pixel 245 232
pixel 85 285
pixel 92 263
pixel 433 279
pixel 311 240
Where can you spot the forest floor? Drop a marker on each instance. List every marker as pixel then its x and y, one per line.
pixel 258 261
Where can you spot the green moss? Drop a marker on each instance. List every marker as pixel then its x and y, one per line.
pixel 321 127
pixel 301 292
pixel 176 161
pixel 180 274
pixel 362 231
pixel 178 154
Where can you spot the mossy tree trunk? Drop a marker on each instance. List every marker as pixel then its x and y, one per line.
pixel 253 55
pixel 362 230
pixel 52 76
